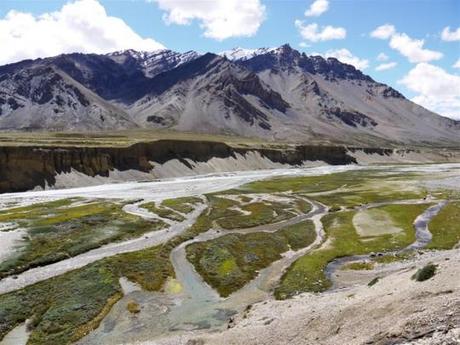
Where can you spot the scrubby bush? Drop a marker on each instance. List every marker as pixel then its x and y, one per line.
pixel 425 273
pixel 373 281
pixel 133 307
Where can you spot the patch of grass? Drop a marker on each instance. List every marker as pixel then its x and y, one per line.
pixel 54 234
pixel 22 214
pixel 299 235
pixel 303 206
pixel 60 306
pixel 425 273
pixel 229 262
pixel 133 307
pixel 260 213
pixel 223 213
pixel 182 205
pixel 356 187
pixel 306 184
pixel 163 212
pixel 323 183
pixel 386 259
pixel 358 266
pixel 245 198
pixel 445 227
pixel 361 197
pixel 307 273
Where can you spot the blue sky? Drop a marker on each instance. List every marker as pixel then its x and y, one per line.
pixel 423 71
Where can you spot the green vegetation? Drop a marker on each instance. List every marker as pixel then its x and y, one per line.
pixel 121 138
pixel 359 266
pixel 425 273
pixel 303 206
pixel 373 281
pixel 163 212
pixel 60 307
pixel 358 198
pixel 299 235
pixel 133 307
pixel 386 259
pixel 23 214
pixel 224 212
pixel 259 213
pixel 354 188
pixel 229 262
pixel 445 227
pixel 65 308
pixel 58 230
pixel 307 273
pixel 173 208
pixel 182 205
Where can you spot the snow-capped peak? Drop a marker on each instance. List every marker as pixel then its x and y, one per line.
pixel 138 55
pixel 243 53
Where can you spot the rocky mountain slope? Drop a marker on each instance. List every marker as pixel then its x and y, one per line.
pixel 276 93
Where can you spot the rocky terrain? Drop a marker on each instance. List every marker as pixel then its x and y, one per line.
pixel 276 94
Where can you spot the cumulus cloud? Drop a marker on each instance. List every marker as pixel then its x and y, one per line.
pixel 382 57
pixel 413 49
pixel 386 66
pixel 409 47
pixel 344 55
pixel 457 64
pixel 383 32
pixel 437 90
pixel 317 8
pixel 450 36
pixel 220 19
pixel 313 33
pixel 79 26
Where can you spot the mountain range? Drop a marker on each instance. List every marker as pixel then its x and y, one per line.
pixel 271 93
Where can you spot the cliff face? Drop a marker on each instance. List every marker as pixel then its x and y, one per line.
pixel 24 168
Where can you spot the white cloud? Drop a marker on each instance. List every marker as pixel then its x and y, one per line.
pixel 313 33
pixel 413 49
pixel 386 66
pixel 80 26
pixel 409 47
pixel 383 32
pixel 304 45
pixel 344 55
pixel 317 8
pixel 220 19
pixel 382 57
pixel 450 36
pixel 457 64
pixel 437 90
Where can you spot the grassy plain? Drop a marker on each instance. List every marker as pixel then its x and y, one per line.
pixel 445 227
